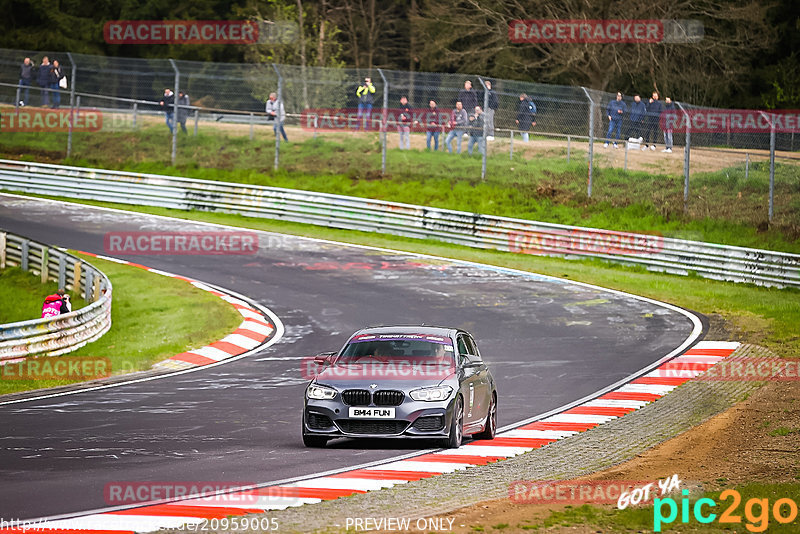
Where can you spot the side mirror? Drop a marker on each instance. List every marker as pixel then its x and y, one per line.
pixel 323 358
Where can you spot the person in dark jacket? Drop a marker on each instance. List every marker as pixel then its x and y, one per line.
pixel 432 127
pixel 168 105
pixel 637 117
pixel 43 79
pixel 183 112
pixel 669 120
pixel 66 305
pixel 494 103
pixel 654 109
pixel 476 121
pixel 616 112
pixel 25 79
pixel 56 73
pixel 458 124
pixel 468 97
pixel 526 115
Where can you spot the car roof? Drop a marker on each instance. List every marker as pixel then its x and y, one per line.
pixel 410 329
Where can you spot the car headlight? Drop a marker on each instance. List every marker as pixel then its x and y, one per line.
pixel 438 393
pixel 320 392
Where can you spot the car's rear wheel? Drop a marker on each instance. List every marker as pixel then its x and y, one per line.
pixel 491 421
pixel 456 434
pixel 313 441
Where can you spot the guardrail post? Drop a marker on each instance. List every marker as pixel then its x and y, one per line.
pixel 71 102
pixel 569 145
pixel 135 112
pixel 485 127
pixel 62 271
pixel 278 122
pixel 87 290
pixel 174 111
pixel 384 125
pixel 591 142
pixel 76 277
pixel 687 149
pixel 24 249
pixel 2 250
pixel 747 166
pixel 45 268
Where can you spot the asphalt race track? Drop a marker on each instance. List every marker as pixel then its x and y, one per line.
pixel 548 342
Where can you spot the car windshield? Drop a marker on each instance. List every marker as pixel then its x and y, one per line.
pixel 414 348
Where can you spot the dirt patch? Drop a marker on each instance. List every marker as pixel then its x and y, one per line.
pixel 757 440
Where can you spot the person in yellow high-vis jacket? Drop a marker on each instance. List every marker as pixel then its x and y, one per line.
pixel 365 101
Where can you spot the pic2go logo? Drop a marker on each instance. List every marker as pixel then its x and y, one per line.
pixel 756 511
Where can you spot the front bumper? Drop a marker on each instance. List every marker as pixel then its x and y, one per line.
pixel 413 419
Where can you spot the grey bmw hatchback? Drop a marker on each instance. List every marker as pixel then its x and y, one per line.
pixel 401 382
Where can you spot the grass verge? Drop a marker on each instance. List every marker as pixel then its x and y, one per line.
pixel 153 317
pixel 724 207
pixel 22 295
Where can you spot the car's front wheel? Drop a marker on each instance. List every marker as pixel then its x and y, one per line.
pixel 456 434
pixel 313 441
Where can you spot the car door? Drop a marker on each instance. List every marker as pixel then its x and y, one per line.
pixel 483 389
pixel 469 382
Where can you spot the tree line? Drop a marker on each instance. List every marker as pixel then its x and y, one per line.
pixel 747 57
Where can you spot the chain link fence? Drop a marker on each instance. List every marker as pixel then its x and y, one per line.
pixel 524 121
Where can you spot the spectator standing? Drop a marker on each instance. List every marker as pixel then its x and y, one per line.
pixel 637 117
pixel 468 97
pixel 654 109
pixel 365 101
pixel 56 73
pixel 43 79
pixel 476 122
pixel 404 124
pixel 51 306
pixel 183 110
pixel 458 124
pixel 616 112
pixel 168 105
pixel 25 79
pixel 526 115
pixel 276 112
pixel 670 118
pixel 494 103
pixel 432 126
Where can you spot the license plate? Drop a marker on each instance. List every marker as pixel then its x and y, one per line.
pixel 371 413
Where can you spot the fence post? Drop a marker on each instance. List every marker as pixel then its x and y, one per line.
pixel 23 250
pixel 771 168
pixel 384 125
pixel 511 145
pixel 687 149
pixel 174 113
pixel 569 143
pixel 76 277
pixel 591 142
pixel 747 166
pixel 135 112
pixel 485 128
pixel 62 271
pixel 45 268
pixel 196 119
pixel 3 250
pixel 71 102
pixel 251 125
pixel 278 118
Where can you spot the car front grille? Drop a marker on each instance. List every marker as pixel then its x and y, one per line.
pixel 357 397
pixel 318 421
pixel 388 398
pixel 357 426
pixel 429 422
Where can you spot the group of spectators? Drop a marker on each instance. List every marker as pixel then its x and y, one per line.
pixel 167 103
pixel 56 304
pixel 643 121
pixel 49 76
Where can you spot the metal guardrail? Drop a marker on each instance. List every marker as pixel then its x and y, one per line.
pixel 655 253
pixel 62 333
